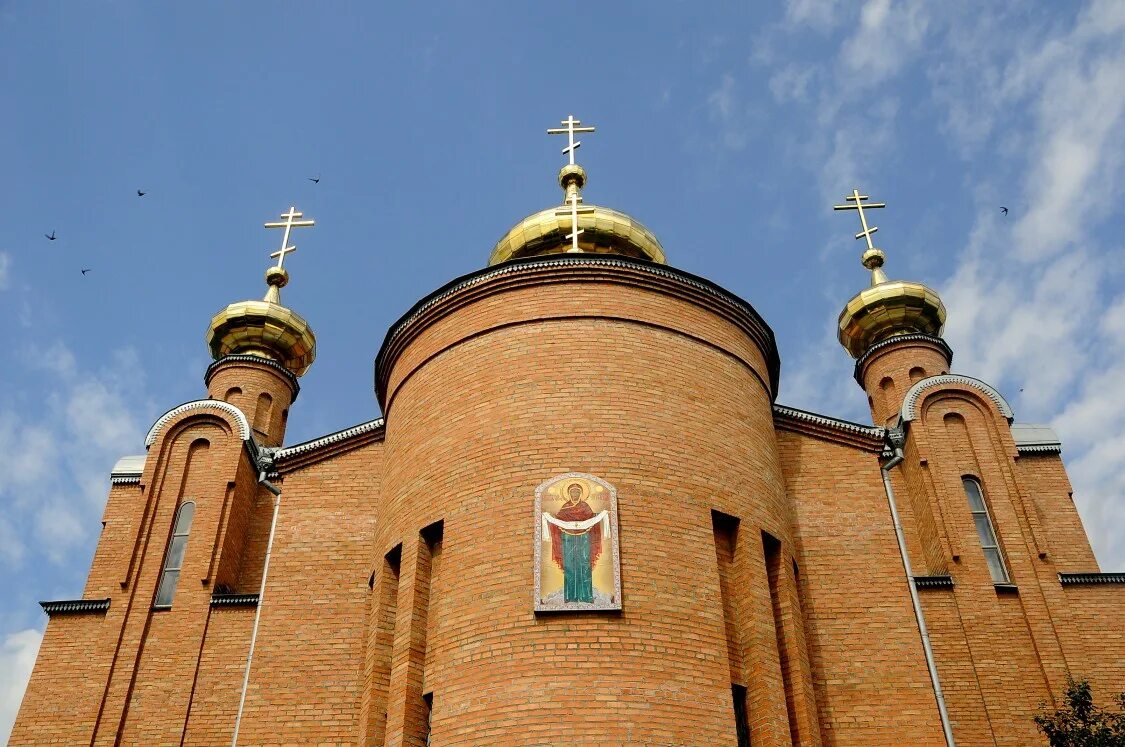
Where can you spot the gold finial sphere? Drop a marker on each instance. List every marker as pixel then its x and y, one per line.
pixel 572 172
pixel 277 276
pixel 873 258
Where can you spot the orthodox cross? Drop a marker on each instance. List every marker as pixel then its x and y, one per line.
pixel 574 229
pixel 288 224
pixel 569 130
pixel 573 197
pixel 858 199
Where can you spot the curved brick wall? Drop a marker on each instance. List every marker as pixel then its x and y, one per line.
pixel 242 380
pixel 889 369
pixel 659 387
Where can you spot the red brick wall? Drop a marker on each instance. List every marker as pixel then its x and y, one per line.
pixel 891 370
pixel 263 393
pixel 663 390
pixel 613 380
pixel 868 667
pixel 305 682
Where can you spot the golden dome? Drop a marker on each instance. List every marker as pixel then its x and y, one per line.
pixel 888 308
pixel 264 328
pixel 602 230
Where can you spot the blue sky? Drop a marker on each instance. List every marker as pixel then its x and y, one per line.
pixel 730 134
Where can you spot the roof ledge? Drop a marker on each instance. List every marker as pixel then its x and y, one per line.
pixel 1036 439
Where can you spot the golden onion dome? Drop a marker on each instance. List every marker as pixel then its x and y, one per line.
pixel 601 230
pixel 264 328
pixel 888 308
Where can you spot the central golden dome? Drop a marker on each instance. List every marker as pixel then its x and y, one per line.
pixel 601 229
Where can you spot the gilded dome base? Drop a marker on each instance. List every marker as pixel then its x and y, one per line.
pixel 895 307
pixel 604 231
pixel 266 329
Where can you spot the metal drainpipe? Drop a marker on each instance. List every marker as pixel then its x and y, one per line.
pixel 261 598
pixel 930 664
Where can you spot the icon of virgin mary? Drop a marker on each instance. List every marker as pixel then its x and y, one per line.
pixel 576 541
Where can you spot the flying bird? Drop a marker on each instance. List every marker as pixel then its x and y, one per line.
pixel 86 270
pixel 314 179
pixel 1004 210
pixel 141 194
pixel 51 236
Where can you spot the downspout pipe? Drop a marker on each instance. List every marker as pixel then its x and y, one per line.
pixel 886 468
pixel 261 599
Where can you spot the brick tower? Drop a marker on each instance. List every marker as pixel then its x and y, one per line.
pixel 584 520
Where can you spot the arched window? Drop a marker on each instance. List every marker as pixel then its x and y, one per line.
pixel 984 530
pixel 263 412
pixel 174 558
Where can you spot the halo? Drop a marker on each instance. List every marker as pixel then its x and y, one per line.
pixel 564 491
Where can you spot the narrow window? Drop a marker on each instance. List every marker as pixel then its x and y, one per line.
pixel 984 530
pixel 175 556
pixel 741 721
pixel 428 699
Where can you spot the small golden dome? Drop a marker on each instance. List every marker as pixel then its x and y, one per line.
pixel 264 328
pixel 601 230
pixel 888 308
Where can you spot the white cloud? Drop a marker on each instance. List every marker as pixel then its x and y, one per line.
pixel 818 14
pixel 5 270
pixel 1033 104
pixel 888 37
pixel 17 657
pixel 91 419
pixel 1044 312
pixel 728 112
pixel 791 82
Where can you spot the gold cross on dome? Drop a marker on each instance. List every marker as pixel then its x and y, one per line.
pixel 288 224
pixel 574 229
pixel 857 198
pixel 569 130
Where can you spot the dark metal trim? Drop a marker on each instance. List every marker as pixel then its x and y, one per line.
pixel 74 606
pixel 1083 579
pixel 531 264
pixel 234 600
pixel 933 582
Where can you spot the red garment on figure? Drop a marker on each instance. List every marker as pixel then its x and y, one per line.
pixel 578 512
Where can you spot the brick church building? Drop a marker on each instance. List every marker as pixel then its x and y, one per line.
pixel 546 541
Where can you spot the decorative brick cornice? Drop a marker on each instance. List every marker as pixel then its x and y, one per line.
pixel 125 480
pixel 552 269
pixel 200 404
pixel 866 437
pixel 1039 449
pixel 1087 579
pixel 331 438
pixel 857 372
pixel 285 373
pixel 75 606
pixel 234 600
pixel 933 582
pixel 303 454
pixel 913 396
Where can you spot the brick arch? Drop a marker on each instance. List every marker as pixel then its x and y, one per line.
pixel 200 404
pixel 915 394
